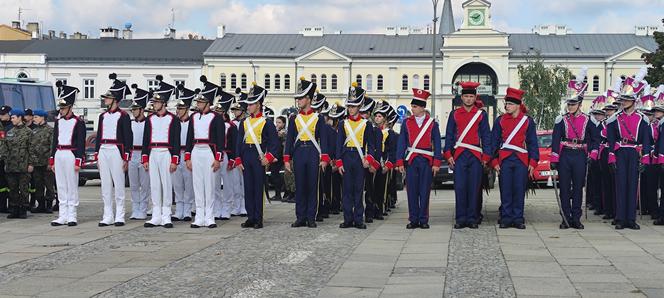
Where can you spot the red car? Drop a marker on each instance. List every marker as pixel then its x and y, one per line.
pixel 543 170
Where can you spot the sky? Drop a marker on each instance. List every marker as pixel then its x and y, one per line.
pixel 149 18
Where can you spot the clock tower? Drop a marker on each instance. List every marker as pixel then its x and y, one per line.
pixel 476 14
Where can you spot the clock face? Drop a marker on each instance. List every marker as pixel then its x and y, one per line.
pixel 476 17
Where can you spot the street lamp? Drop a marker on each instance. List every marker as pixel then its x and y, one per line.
pixel 433 57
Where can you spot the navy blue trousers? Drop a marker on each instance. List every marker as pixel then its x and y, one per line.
pixel 306 161
pixel 627 174
pixel 353 188
pixel 572 175
pixel 649 185
pixel 254 181
pixel 418 189
pixel 608 185
pixel 467 182
pixel 513 183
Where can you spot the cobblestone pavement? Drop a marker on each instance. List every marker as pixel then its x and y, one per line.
pixel 385 260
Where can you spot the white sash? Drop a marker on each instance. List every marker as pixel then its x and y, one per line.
pixel 353 136
pixel 507 145
pixel 305 130
pixel 413 148
pixel 253 137
pixel 465 131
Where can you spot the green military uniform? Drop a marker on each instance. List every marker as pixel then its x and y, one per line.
pixel 40 151
pixel 15 149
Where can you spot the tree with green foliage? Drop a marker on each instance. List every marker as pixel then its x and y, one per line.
pixel 545 87
pixel 656 61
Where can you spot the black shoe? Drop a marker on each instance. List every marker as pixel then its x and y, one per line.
pixel 598 212
pixel 168 225
pixel 243 215
pixel 55 224
pixel 187 218
pixel 13 214
pixel 503 226
pixel 361 226
pixel 659 222
pixel 72 224
pixel 459 226
pixel 194 226
pixel 619 227
pixel 319 218
pixel 520 226
pixel 424 226
pixel 335 212
pixel 247 224
pixel 386 212
pixel 473 226
pixel 379 217
pixel 258 225
pixel 607 216
pixel 577 225
pixel 633 226
pixel 119 224
pixel 212 226
pixel 148 225
pixel 234 215
pixel 368 220
pixel 298 223
pixel 312 224
pixel 326 215
pixel 173 218
pixel 563 226
pixel 101 224
pixel 614 222
pixel 346 225
pixel 412 225
pixel 48 210
pixel 224 218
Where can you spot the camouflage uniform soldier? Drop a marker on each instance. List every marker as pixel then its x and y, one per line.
pixel 40 151
pixel 15 151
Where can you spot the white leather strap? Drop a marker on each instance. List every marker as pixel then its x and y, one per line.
pixel 465 131
pixel 419 138
pixel 507 145
pixel 253 137
pixel 353 136
pixel 305 130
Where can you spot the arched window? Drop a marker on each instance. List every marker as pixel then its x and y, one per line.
pixel 334 82
pixel 596 84
pixel 277 82
pixel 379 83
pixel 222 81
pixel 287 82
pixel 358 79
pixel 243 81
pixel 323 82
pixel 404 83
pixel 314 79
pixel 427 82
pixel 233 81
pixel 416 81
pixel 266 85
pixel 22 75
pixel 369 83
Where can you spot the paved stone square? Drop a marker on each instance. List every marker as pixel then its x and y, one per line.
pixel 386 260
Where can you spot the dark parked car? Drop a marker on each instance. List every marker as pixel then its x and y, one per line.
pixel 89 170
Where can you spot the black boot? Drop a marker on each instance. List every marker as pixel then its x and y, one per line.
pixel 22 212
pixel 13 213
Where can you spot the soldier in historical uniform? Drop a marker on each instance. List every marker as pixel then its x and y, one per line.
pixel 572 141
pixel 355 154
pixel 223 198
pixel 336 114
pixel 419 157
pixel 594 180
pixel 112 149
pixel 516 153
pixel 239 110
pixel 204 153
pixel 15 151
pixel 370 208
pixel 139 178
pixel 161 155
pixel 649 180
pixel 386 155
pixel 40 149
pixel 183 183
pixel 629 148
pixel 257 139
pixel 5 125
pixel 306 142
pixel 67 154
pixel 467 151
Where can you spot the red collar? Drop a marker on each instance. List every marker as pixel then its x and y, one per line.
pixel 355 118
pixel 257 115
pixel 311 111
pixel 517 116
pixel 473 109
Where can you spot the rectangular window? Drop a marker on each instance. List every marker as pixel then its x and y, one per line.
pixel 179 82
pixel 64 81
pixel 153 85
pixel 88 88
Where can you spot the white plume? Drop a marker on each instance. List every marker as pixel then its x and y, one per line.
pixel 641 74
pixel 617 84
pixel 660 90
pixel 646 89
pixel 583 72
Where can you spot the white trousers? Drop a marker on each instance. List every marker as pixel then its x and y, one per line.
pixel 238 192
pixel 112 182
pixel 66 179
pixel 161 186
pixel 223 199
pixel 204 184
pixel 184 190
pixel 139 183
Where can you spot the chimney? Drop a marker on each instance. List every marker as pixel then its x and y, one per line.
pixel 169 33
pixel 51 34
pixel 313 31
pixel 108 32
pixel 127 33
pixel 33 27
pixel 16 25
pixel 63 35
pixel 221 31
